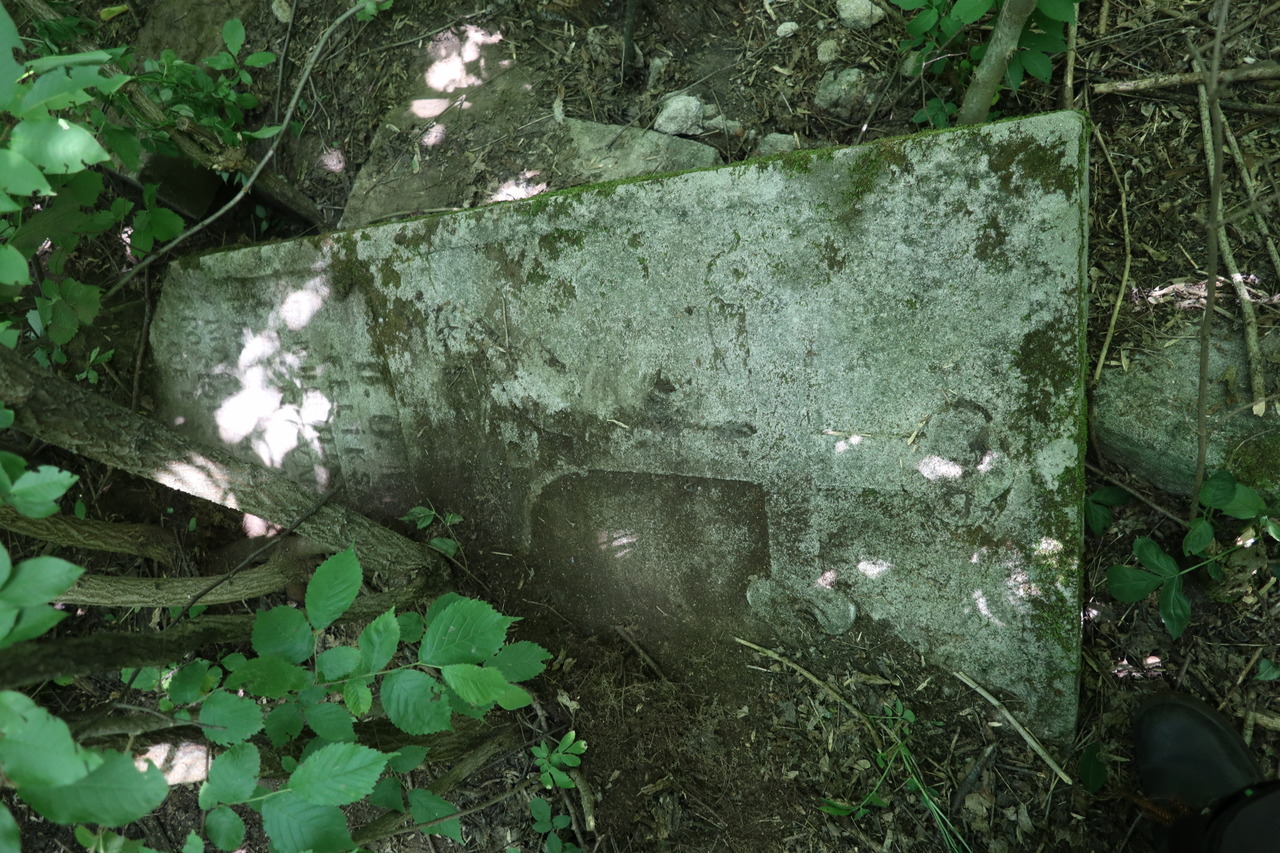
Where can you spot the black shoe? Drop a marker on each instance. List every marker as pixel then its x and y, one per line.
pixel 1188 755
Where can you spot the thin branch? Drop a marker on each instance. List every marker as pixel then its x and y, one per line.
pixel 1017 726
pixel 1171 81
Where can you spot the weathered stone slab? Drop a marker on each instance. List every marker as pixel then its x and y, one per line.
pixel 823 388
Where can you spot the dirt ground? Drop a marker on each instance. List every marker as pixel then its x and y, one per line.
pixel 671 770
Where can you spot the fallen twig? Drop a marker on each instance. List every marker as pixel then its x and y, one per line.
pixel 1017 726
pixel 1168 81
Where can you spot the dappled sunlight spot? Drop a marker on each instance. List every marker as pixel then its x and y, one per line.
pixel 181 763
pixel 847 440
pixel 201 478
pixel 827 580
pixel 300 306
pixel 874 568
pixel 284 428
pixel 988 462
pixel 451 54
pixel 433 136
pixel 618 542
pixel 519 187
pixel 980 601
pixel 937 468
pixel 431 107
pixel 1150 666
pixel 239 414
pixel 254 526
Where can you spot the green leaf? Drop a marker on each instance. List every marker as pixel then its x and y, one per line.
pixel 18 176
pixel 1058 10
pixel 261 59
pixel 969 11
pixel 1199 537
pixel 1097 517
pixel 468 631
pixel 337 662
pixel 411 626
pixel 187 684
pixel 284 723
pixel 512 698
pixel 224 828
pixel 1093 773
pixel 233 776
pixel 408 758
pixel 378 642
pixel 1154 558
pixel 415 703
pixel 37 748
pixel 1129 584
pixel 331 722
pixel 56 146
pixel 388 794
pixel 283 631
pixel 295 825
pixel 228 719
pixel 1245 503
pixel 10 837
pixel 1111 496
pixel 35 493
pixel 31 623
pixel 1218 490
pixel 113 794
pixel 520 661
pixel 474 684
pixel 1037 64
pixel 270 677
pixel 1267 671
pixel 357 696
pixel 233 36
pixel 1175 610
pixel 39 580
pixel 333 587
pixel 426 807
pixel 338 774
pixel 922 23
pixel 13 267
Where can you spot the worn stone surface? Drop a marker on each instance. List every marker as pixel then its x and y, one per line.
pixel 838 389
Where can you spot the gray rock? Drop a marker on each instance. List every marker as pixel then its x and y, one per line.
pixel 776 143
pixel 839 94
pixel 681 115
pixel 859 14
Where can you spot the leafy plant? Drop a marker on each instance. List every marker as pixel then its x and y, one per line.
pixel 1098 506
pixel 217 101
pixel 422 517
pixel 897 756
pixel 1220 495
pixel 931 48
pixel 554 762
pixel 548 826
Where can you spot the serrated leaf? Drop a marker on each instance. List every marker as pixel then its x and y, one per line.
pixel 295 825
pixel 922 23
pixel 476 685
pixel 1175 610
pixel 1218 490
pixel 284 723
pixel 1153 557
pixel 1129 584
pixel 415 702
pixel 337 662
pixel 378 642
pixel 1058 10
pixel 331 722
pixel 1199 536
pixel 1037 64
pixel 224 828
pixel 333 587
pixel 39 580
pixel 233 776
pixel 37 747
pixel 228 719
pixel 113 794
pixel 427 807
pixel 388 794
pixel 270 677
pixel 520 661
pixel 468 631
pixel 35 493
pixel 1097 517
pixel 283 631
pixel 338 774
pixel 357 696
pixel 411 626
pixel 31 623
pixel 187 684
pixel 408 758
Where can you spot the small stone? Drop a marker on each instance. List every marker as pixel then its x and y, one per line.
pixel 859 14
pixel 680 115
pixel 776 143
pixel 788 28
pixel 828 51
pixel 838 94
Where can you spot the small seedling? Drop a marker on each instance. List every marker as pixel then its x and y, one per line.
pixel 552 763
pixel 549 826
